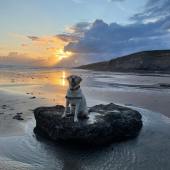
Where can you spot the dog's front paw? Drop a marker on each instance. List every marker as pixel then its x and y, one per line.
pixel 75 119
pixel 64 115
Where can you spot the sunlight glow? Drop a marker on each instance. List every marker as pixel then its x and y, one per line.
pixel 61 54
pixel 63 78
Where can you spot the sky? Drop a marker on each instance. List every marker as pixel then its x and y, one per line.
pixel 75 32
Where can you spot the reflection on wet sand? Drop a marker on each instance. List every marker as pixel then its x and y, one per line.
pixel 50 85
pixel 47 85
pixel 37 77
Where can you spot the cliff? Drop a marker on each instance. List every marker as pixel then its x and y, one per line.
pixel 158 60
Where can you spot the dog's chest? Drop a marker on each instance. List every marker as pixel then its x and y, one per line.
pixel 74 96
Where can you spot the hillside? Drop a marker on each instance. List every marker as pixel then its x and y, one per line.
pixel 158 60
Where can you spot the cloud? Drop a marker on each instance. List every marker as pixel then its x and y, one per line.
pixel 154 9
pixel 24 45
pixel 50 48
pixel 15 58
pixel 74 32
pixel 67 37
pixel 24 59
pixel 42 39
pixel 79 27
pixel 34 38
pixel 53 39
pixel 98 40
pixel 150 30
pixel 108 40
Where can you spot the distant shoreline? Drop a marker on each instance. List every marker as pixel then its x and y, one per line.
pixel 126 71
pixel 157 61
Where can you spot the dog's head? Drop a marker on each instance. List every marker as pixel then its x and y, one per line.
pixel 74 81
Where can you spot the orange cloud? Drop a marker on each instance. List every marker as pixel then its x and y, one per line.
pixel 37 50
pixel 50 48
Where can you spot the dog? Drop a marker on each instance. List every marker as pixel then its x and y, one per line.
pixel 75 99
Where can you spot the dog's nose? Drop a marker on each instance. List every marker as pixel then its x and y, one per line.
pixel 73 82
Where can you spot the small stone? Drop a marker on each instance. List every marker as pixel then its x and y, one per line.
pixel 19 113
pixel 4 106
pixel 18 117
pixel 32 97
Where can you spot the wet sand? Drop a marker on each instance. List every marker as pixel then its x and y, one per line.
pixel 11 104
pixel 158 102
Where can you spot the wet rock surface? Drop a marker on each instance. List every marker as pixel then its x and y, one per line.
pixel 106 124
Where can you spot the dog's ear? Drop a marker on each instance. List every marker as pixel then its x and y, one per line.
pixel 68 78
pixel 79 79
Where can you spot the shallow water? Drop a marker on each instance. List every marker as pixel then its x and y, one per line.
pixel 151 150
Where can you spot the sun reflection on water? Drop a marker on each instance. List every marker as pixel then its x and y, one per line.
pixel 48 84
pixel 63 78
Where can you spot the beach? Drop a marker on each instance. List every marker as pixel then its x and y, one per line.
pixel 22 91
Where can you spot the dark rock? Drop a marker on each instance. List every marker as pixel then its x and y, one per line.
pixel 4 106
pixel 20 113
pixel 32 97
pixel 165 85
pixel 106 124
pixel 18 116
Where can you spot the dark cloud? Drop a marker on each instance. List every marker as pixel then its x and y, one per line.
pixel 33 38
pixel 80 27
pixel 115 39
pixel 150 30
pixel 75 32
pixel 101 41
pixel 67 37
pixel 154 9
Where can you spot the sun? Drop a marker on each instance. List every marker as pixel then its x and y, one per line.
pixel 61 54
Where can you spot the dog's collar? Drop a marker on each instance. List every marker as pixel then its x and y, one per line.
pixel 74 89
pixel 67 97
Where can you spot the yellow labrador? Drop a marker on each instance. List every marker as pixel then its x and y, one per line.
pixel 75 98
